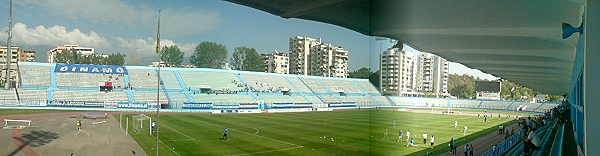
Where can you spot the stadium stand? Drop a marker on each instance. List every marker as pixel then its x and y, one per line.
pixel 360 100
pixel 86 80
pixel 402 101
pixel 341 85
pixel 428 102
pixel 464 103
pixel 169 80
pixel 545 107
pixel 384 101
pixel 223 98
pixel 314 85
pixel 34 75
pixel 298 83
pixel 38 95
pixel 366 86
pixel 495 104
pixel 67 95
pixel 329 99
pixel 217 81
pixel 176 97
pixel 516 105
pixel 140 79
pixel 314 99
pixel 267 83
pixel 270 99
pixel 147 96
pixel 7 97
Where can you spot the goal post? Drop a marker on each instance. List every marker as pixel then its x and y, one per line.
pixel 141 124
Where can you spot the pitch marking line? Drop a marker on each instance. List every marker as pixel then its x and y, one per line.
pixel 255 135
pixel 168 147
pixel 283 149
pixel 179 132
pixel 256 130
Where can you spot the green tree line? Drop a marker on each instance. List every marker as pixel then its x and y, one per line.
pixel 463 86
pixel 71 56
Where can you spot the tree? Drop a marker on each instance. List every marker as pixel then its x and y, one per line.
pixel 209 55
pixel 362 73
pixel 374 79
pixel 172 56
pixel 114 59
pixel 247 59
pixel 462 86
pixel 70 56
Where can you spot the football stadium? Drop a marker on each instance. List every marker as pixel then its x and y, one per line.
pixel 265 114
pixel 90 109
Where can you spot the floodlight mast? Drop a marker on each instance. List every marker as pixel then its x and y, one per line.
pixel 158 83
pixel 8 49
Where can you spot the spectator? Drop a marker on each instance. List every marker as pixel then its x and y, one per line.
pixel 532 141
pixel 451 144
pixel 471 149
pixel 466 149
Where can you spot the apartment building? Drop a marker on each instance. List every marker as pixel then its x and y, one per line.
pixel 13 61
pixel 26 56
pixel 276 62
pixel 398 72
pixel 310 56
pixel 81 50
pixel 433 75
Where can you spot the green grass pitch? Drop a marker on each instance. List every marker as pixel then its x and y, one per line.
pixel 354 132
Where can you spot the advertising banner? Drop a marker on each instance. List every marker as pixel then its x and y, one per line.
pixel 110 104
pixel 197 105
pixel 88 68
pixel 135 105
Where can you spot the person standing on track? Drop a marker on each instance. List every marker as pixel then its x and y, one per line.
pixel 451 144
pixel 79 125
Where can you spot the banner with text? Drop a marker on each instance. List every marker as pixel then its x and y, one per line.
pixel 135 105
pixel 88 68
pixel 197 105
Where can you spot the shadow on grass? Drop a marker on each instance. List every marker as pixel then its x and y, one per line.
pixel 441 148
pixel 34 139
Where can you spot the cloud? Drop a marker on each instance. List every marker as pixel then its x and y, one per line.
pixel 174 22
pixel 54 36
pixel 148 46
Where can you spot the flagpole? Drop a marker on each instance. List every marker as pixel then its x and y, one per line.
pixel 158 85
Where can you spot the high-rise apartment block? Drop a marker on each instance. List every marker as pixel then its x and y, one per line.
pixel 398 72
pixel 15 53
pixel 81 50
pixel 433 75
pixel 276 62
pixel 309 56
pixel 403 73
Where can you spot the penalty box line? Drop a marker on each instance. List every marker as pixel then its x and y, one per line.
pixel 297 146
pixel 179 132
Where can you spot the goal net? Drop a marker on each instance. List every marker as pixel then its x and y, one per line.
pixel 141 124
